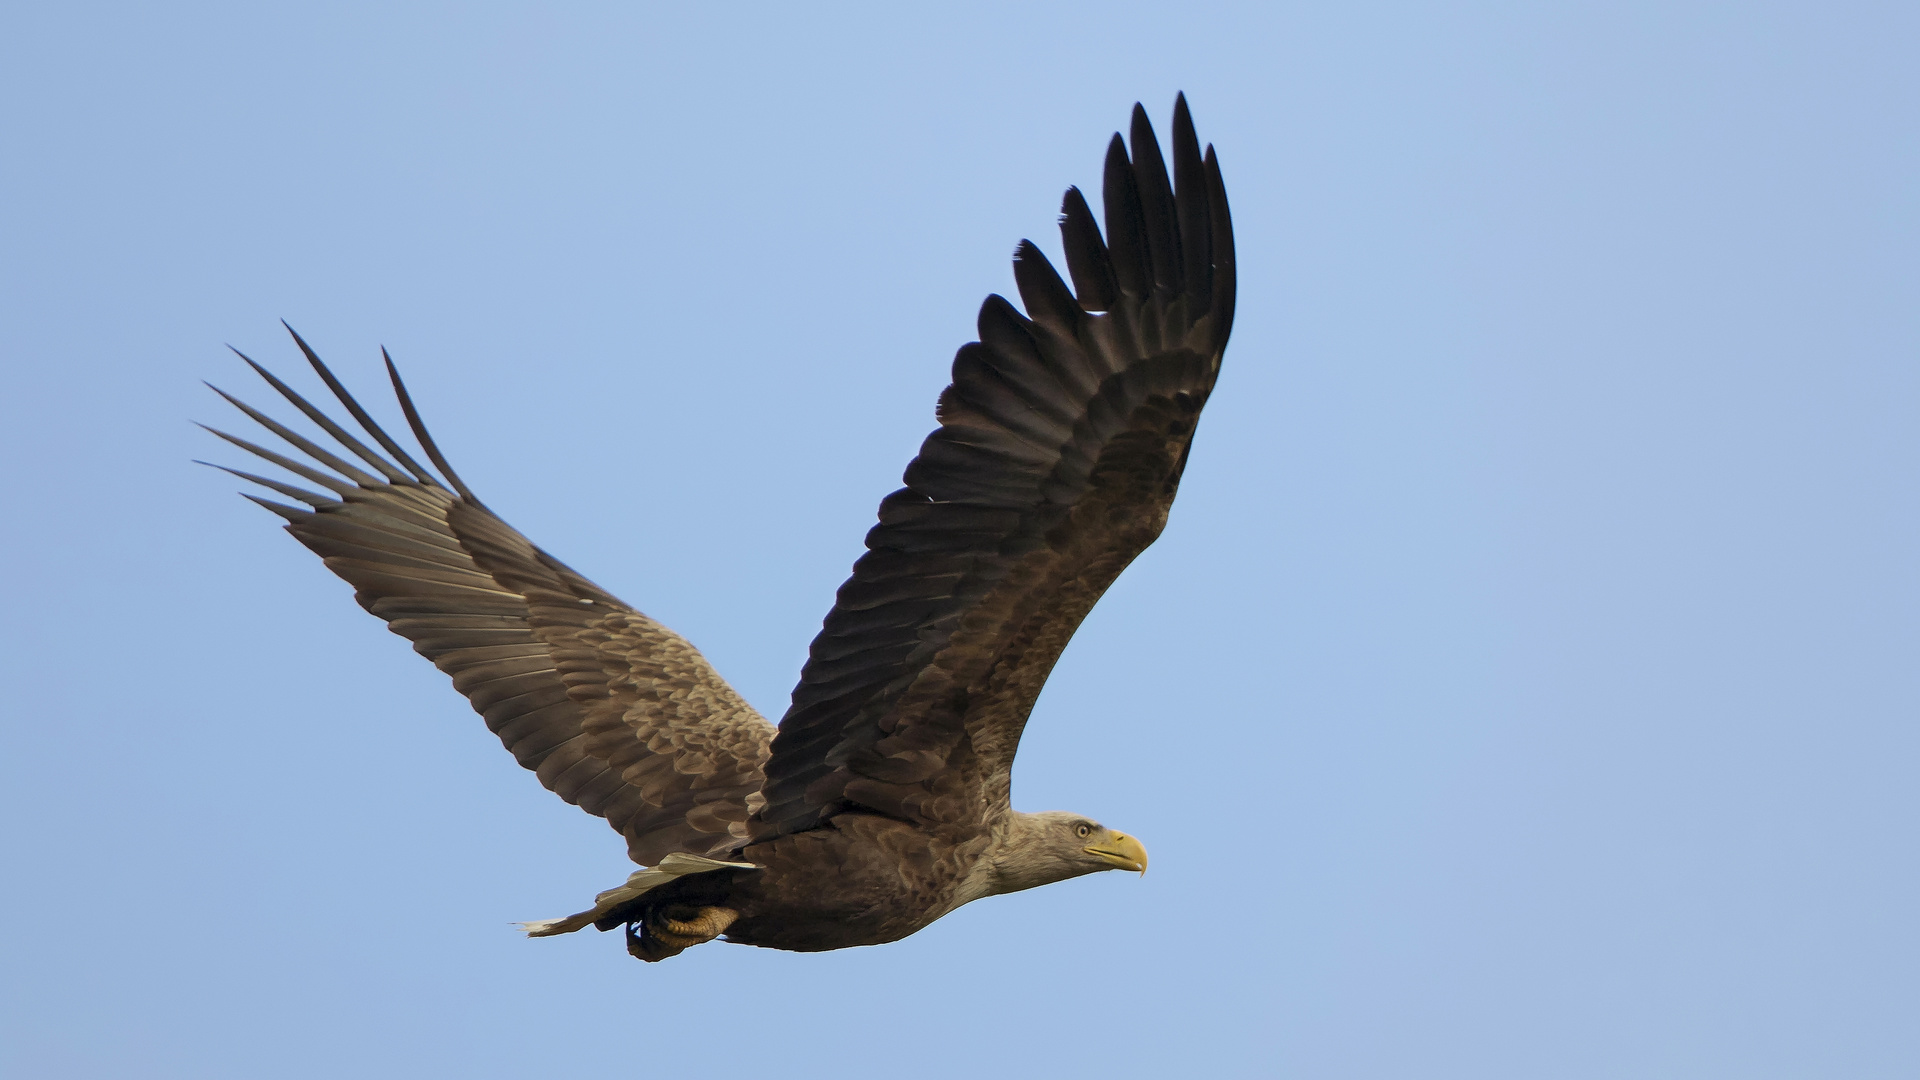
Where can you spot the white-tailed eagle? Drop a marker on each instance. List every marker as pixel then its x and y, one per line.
pixel 880 802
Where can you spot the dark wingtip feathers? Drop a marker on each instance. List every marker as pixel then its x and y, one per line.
pixel 353 476
pixel 293 514
pixel 304 444
pixel 1156 205
pixel 420 431
pixel 1225 281
pixel 1126 235
pixel 359 414
pixel 1046 297
pixel 1087 260
pixel 340 435
pixel 1190 199
pixel 1167 232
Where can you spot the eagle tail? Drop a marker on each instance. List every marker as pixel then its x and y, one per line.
pixel 677 865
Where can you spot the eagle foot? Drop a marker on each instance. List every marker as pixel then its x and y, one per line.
pixel 659 935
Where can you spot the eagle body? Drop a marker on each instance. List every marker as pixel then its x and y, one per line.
pixel 882 799
pixel 864 880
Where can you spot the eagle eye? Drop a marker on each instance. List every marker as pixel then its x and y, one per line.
pixel 1083 830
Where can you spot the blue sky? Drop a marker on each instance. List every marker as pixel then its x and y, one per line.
pixel 1524 686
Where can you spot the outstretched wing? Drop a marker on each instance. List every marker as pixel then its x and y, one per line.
pixel 614 712
pixel 1060 446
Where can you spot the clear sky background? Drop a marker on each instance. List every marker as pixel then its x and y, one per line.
pixel 1524 687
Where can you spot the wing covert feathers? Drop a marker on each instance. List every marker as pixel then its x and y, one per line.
pixel 1061 443
pixel 612 711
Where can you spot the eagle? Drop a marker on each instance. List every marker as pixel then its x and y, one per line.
pixel 882 800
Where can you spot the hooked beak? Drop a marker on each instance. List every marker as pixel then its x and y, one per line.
pixel 1121 850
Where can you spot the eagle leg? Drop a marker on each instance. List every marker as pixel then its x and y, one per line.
pixel 659 935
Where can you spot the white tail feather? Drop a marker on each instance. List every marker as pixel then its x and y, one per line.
pixel 677 865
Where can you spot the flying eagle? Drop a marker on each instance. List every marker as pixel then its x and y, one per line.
pixel 881 801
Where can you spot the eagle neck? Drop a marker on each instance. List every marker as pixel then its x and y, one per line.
pixel 1017 859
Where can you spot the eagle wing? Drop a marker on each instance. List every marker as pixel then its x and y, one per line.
pixel 614 712
pixel 1061 443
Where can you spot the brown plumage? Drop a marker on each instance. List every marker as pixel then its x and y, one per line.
pixel 880 802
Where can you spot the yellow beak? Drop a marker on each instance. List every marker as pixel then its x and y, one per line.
pixel 1123 851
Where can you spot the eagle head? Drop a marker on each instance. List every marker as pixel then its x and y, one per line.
pixel 1039 849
